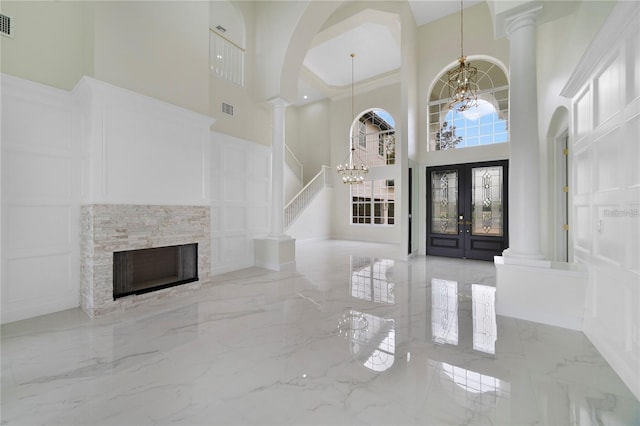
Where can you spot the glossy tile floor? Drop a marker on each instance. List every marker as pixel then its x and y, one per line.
pixel 351 337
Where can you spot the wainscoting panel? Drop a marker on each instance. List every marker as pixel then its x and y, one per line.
pixel 40 200
pixel 606 201
pixel 240 183
pixel 32 175
pixel 234 189
pixel 143 151
pixel 257 219
pixel 234 219
pixel 39 277
pixel 38 228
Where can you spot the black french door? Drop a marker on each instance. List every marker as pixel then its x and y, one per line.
pixel 467 210
pixel 410 206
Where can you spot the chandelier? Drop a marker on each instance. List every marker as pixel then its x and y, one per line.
pixel 462 79
pixel 353 169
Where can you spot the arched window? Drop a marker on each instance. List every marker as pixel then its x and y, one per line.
pixel 374 137
pixel 485 124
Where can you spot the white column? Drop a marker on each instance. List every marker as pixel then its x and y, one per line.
pixel 277 251
pixel 277 167
pixel 524 162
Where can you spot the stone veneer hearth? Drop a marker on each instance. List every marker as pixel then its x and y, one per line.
pixel 113 227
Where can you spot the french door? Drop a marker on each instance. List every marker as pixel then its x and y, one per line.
pixel 467 210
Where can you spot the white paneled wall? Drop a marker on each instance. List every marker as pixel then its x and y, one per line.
pixel 605 159
pixel 240 196
pixel 139 150
pixel 40 200
pixel 103 144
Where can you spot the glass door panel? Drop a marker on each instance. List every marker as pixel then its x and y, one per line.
pixel 444 202
pixel 486 201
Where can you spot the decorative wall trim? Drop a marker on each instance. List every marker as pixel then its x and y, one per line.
pixel 140 150
pixel 624 13
pixel 606 186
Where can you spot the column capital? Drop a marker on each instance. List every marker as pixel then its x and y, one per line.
pixel 521 19
pixel 278 102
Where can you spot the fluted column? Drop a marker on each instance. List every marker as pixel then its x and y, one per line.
pixel 277 167
pixel 524 162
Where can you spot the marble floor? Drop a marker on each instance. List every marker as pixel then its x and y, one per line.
pixel 351 337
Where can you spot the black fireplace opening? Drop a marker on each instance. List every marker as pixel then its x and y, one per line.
pixel 145 270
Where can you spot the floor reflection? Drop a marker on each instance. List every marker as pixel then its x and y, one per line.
pixel 479 393
pixel 371 338
pixel 444 311
pixel 484 318
pixel 372 279
pixel 445 300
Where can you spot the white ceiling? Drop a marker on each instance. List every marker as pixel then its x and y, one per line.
pixel 425 11
pixel 375 39
pixel 374 45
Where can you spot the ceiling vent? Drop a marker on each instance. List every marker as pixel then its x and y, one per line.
pixel 6 29
pixel 227 109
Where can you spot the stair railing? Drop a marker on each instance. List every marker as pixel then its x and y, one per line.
pixel 293 163
pixel 306 195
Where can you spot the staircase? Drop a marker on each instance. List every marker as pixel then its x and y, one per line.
pixel 306 195
pixel 293 163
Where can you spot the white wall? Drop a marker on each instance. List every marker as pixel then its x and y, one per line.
pixel 240 199
pixel 605 182
pixel 49 42
pixel 314 140
pixel 40 200
pixel 315 221
pixel 246 108
pixel 156 48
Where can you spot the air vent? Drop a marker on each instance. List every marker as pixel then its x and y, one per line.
pixel 227 109
pixel 6 29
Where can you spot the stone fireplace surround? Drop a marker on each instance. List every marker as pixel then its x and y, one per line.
pixel 106 228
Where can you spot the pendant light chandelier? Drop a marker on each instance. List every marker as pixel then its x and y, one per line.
pixel 463 89
pixel 353 169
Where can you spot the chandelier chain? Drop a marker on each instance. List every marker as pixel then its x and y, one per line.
pixel 353 115
pixel 354 169
pixel 461 29
pixel 461 80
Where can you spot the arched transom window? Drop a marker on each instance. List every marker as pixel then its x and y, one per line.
pixel 482 125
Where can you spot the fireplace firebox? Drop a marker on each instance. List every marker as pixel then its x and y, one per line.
pixel 146 270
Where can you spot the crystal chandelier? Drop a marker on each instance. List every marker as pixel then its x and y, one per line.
pixel 462 79
pixel 353 169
